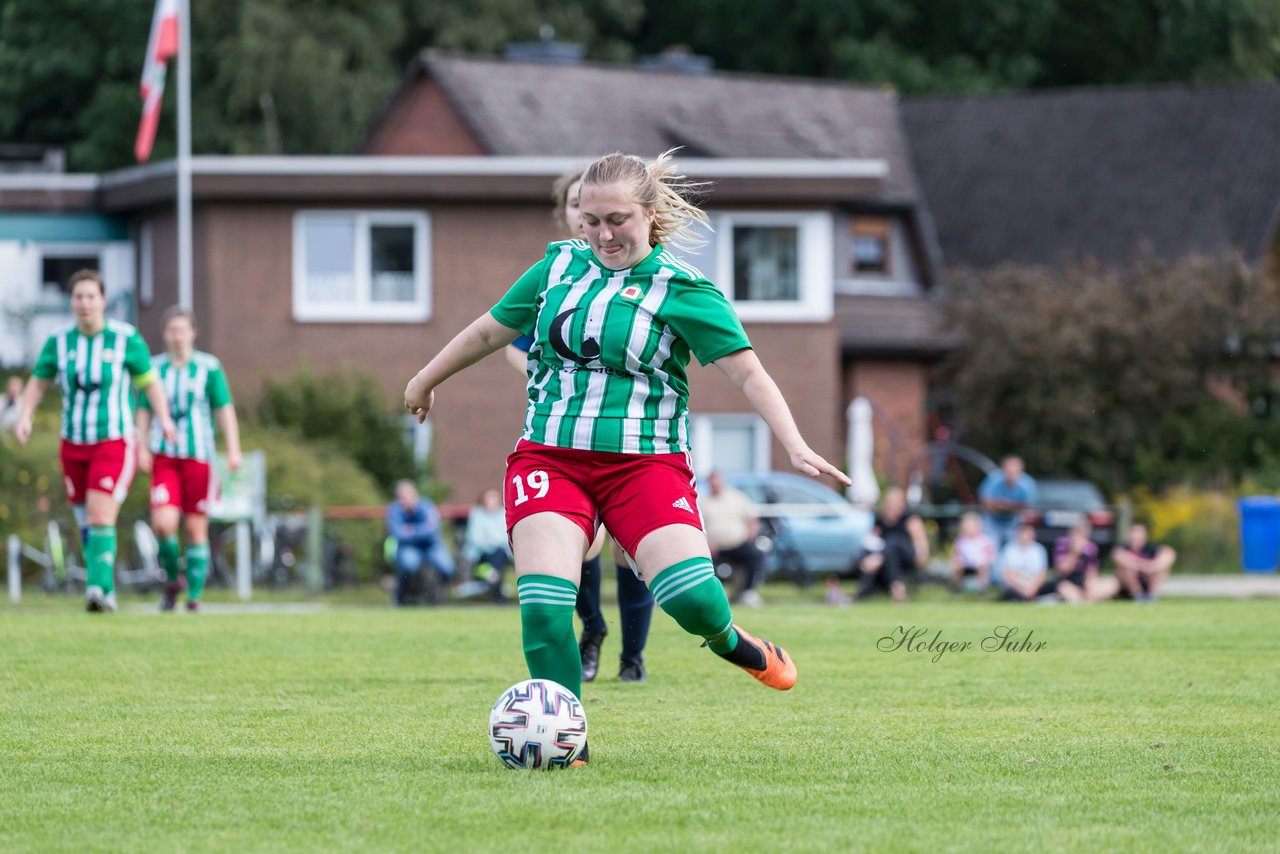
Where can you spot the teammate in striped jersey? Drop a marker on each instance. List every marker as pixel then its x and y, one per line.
pixel 183 480
pixel 635 602
pixel 615 321
pixel 92 362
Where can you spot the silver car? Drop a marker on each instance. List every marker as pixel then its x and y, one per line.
pixel 811 529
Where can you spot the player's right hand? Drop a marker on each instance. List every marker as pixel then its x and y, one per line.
pixel 418 399
pixel 145 458
pixel 22 430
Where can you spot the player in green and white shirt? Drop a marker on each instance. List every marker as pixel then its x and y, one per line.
pixel 183 478
pixel 94 363
pixel 614 324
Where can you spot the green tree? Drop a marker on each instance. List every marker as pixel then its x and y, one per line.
pixel 347 409
pixel 1119 375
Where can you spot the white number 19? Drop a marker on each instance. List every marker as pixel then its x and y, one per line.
pixel 538 480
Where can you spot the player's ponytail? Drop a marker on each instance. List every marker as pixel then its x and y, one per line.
pixel 660 186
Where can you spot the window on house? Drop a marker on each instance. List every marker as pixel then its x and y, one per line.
pixel 56 269
pixel 773 265
pixel 869 246
pixel 729 442
pixel 361 266
pixel 766 263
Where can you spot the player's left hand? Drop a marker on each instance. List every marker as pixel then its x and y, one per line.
pixel 806 461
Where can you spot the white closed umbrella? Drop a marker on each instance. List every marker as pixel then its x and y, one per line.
pixel 861 450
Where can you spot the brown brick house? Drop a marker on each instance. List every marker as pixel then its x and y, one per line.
pixel 378 259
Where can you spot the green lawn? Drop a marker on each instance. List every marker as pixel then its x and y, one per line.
pixel 1136 727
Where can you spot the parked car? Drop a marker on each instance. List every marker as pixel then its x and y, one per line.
pixel 1062 503
pixel 813 530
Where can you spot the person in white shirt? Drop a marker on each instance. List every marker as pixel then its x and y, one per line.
pixel 972 554
pixel 1024 567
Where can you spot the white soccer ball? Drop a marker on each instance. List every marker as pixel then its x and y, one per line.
pixel 539 724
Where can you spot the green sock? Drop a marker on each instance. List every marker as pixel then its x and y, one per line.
pixel 100 558
pixel 169 553
pixel 197 569
pixel 546 617
pixel 690 592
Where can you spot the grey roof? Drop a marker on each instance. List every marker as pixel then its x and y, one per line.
pixel 1099 172
pixel 887 325
pixel 521 108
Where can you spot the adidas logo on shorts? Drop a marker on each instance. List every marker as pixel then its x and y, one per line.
pixel 682 504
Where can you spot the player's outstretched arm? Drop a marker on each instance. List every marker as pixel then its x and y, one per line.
pixel 744 370
pixel 229 426
pixel 32 394
pixel 484 336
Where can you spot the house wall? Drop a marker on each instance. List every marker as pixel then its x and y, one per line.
pixel 478 250
pixel 897 389
pixel 421 121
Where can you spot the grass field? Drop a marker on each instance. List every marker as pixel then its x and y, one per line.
pixel 1145 728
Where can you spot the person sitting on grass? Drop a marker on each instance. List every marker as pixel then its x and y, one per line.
pixel 414 523
pixel 1024 568
pixel 972 554
pixel 1141 565
pixel 1075 558
pixel 896 548
pixel 485 546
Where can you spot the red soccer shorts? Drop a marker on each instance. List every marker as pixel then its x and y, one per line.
pixel 187 484
pixel 633 494
pixel 105 466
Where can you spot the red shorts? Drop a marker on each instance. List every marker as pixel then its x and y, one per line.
pixel 187 484
pixel 633 494
pixel 105 466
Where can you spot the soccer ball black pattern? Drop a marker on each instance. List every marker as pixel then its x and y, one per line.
pixel 537 724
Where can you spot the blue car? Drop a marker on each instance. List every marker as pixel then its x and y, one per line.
pixel 811 528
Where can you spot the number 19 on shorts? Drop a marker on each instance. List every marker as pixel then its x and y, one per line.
pixel 537 481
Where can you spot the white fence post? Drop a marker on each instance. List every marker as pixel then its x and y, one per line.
pixel 15 568
pixel 244 579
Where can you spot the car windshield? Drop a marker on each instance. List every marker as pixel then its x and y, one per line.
pixel 1072 494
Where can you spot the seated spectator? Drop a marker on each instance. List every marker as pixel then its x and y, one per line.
pixel 1075 558
pixel 485 545
pixel 414 523
pixel 896 548
pixel 731 525
pixel 1141 565
pixel 1024 568
pixel 972 554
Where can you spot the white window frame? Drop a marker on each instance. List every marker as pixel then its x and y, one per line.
pixel 814 256
pixel 362 309
pixel 702 438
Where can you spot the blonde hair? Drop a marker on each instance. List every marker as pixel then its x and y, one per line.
pixel 560 195
pixel 656 186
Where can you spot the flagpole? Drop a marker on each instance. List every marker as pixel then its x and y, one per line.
pixel 184 156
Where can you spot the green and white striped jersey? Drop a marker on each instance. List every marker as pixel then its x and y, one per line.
pixel 92 372
pixel 194 391
pixel 610 347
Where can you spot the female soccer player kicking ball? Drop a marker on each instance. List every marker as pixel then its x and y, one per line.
pixel 93 362
pixel 615 319
pixel 183 480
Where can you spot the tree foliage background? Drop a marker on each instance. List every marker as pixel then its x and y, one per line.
pixel 1125 376
pixel 307 76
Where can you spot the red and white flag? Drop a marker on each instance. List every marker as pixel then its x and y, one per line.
pixel 162 45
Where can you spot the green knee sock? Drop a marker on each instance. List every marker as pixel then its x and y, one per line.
pixel 546 617
pixel 197 569
pixel 100 558
pixel 690 592
pixel 168 554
